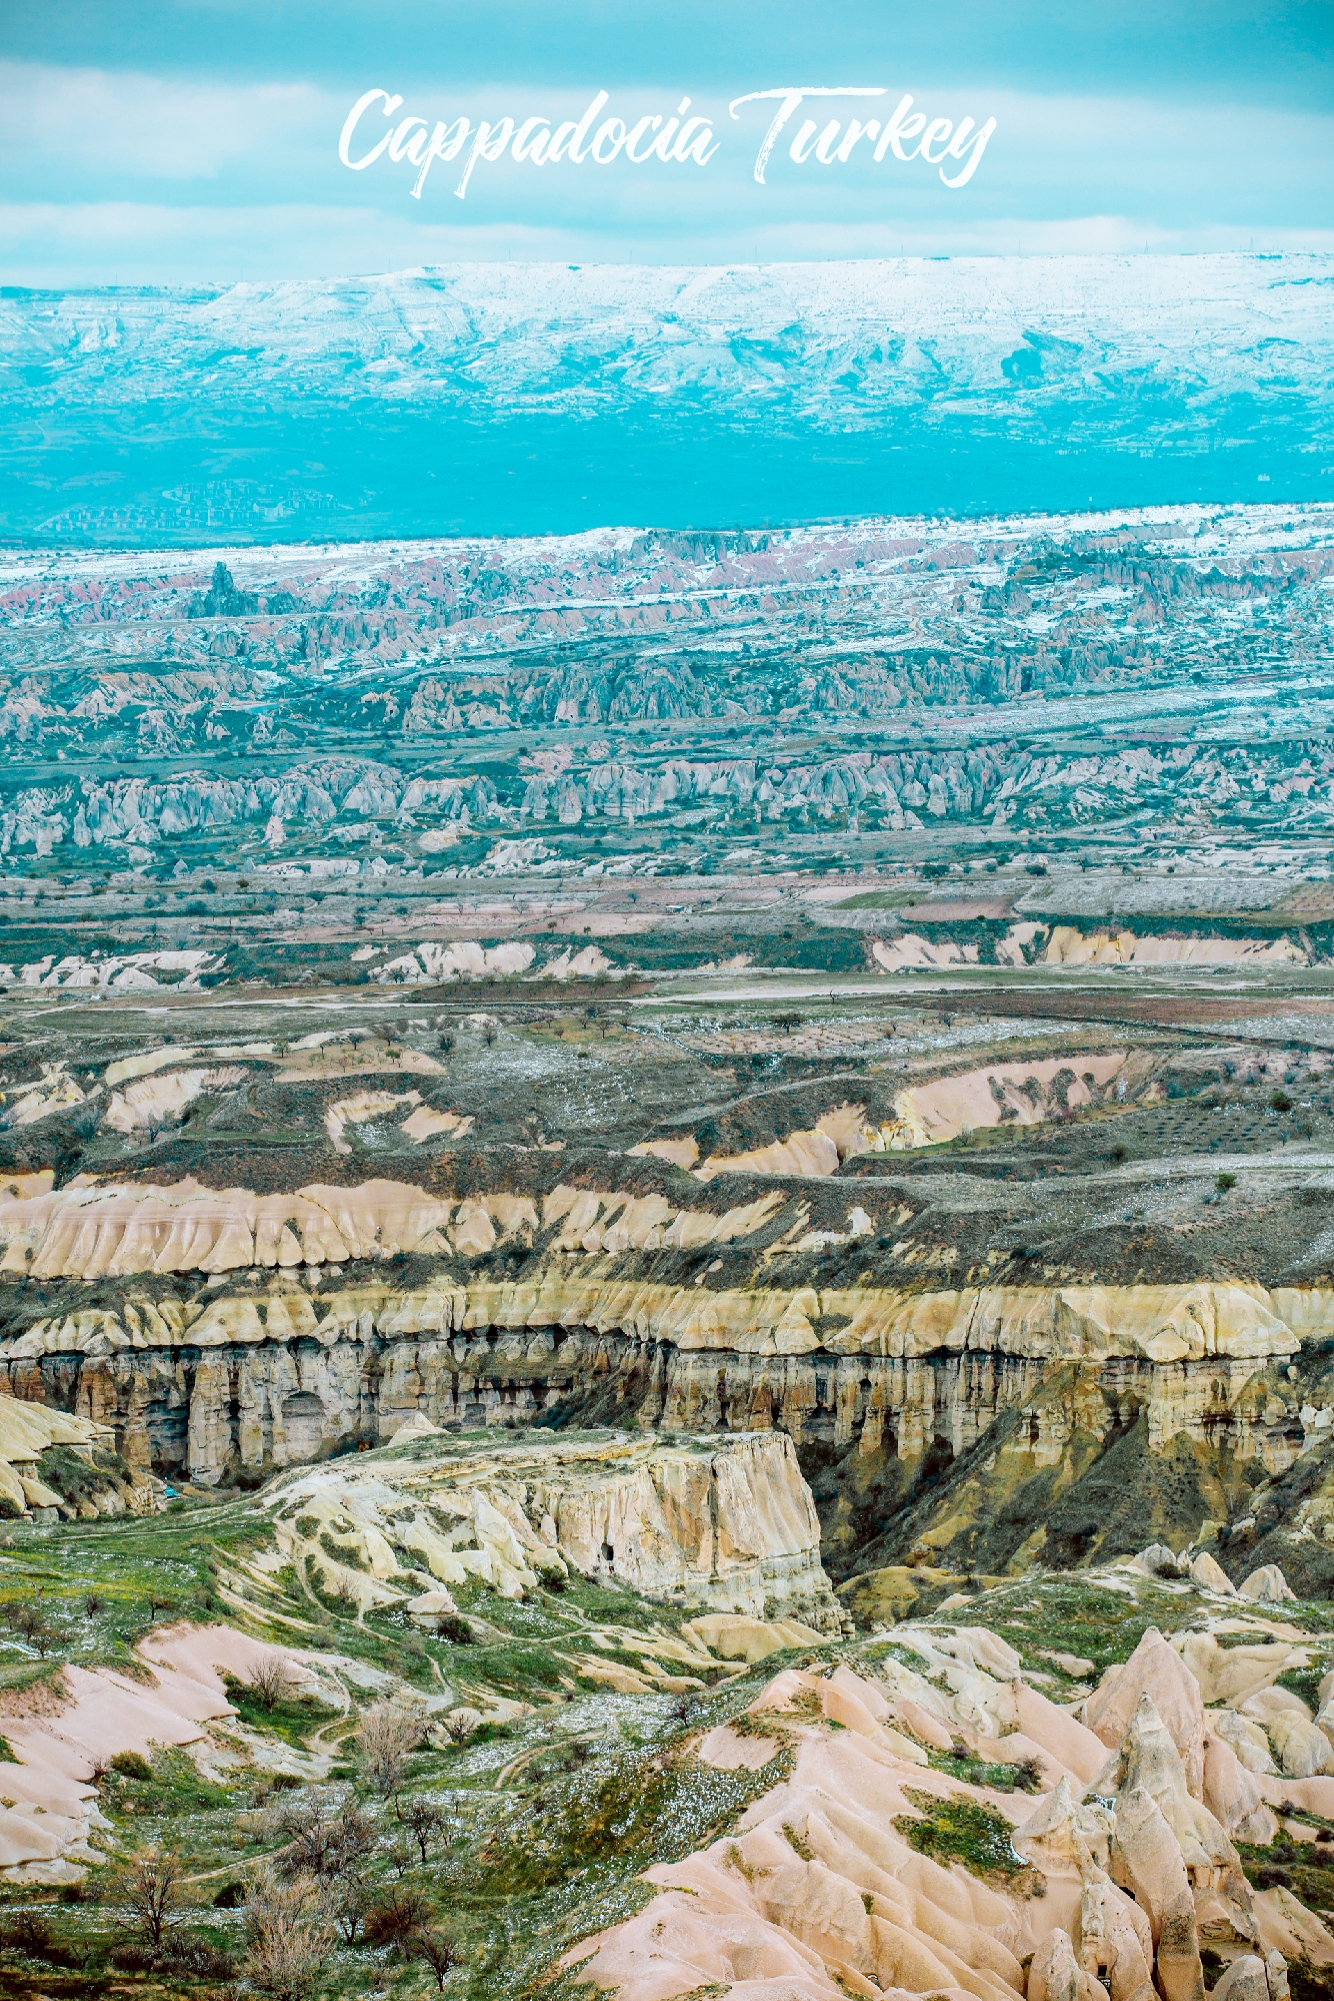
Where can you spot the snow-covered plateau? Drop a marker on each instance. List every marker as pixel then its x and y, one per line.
pixel 518 398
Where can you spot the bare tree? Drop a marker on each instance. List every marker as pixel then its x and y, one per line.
pixel 269 1680
pixel 31 1622
pixel 288 1934
pixel 439 1951
pixel 348 1898
pixel 323 1840
pixel 425 1819
pixel 460 1724
pixel 386 1734
pixel 151 1887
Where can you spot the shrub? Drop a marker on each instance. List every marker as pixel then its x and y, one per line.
pixel 131 1766
pixel 398 1916
pixel 28 1932
pixel 288 1935
pixel 195 1955
pixel 30 1620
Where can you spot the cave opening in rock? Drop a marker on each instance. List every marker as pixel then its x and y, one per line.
pixel 303 1424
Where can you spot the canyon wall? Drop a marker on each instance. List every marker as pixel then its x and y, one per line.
pixel 211 1387
pixel 227 1334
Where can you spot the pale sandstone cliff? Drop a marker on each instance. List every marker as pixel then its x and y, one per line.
pixel 928 1114
pixel 26 1431
pixel 724 1524
pixel 279 1332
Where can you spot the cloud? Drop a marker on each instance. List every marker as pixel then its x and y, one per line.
pixel 73 123
pixel 140 178
pixel 50 245
pixel 53 246
pixel 1233 51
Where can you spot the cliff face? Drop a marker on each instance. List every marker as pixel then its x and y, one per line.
pixel 213 1355
pixel 726 1524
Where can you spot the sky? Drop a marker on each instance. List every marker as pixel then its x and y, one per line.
pixel 197 143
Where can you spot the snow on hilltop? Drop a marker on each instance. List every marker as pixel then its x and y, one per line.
pixel 520 399
pixel 819 338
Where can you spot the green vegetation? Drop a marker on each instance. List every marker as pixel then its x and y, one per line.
pixel 131 1765
pixel 959 1830
pixel 1023 1777
pixel 535 1832
pixel 1059 1612
pixel 76 1478
pixel 292 1717
pixel 1304 1867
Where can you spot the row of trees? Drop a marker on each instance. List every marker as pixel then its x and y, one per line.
pixel 321 1884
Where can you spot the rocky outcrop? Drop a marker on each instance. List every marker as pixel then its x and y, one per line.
pixel 823 1892
pixel 27 1430
pixel 246 1331
pixel 160 1100
pixel 201 1382
pixel 91 1230
pixel 722 1524
pixel 94 1230
pixel 186 971
pixel 1018 1094
pixel 1068 946
pixel 232 1333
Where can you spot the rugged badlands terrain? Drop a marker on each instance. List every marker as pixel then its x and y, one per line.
pixel 720 1424
pixel 667 1267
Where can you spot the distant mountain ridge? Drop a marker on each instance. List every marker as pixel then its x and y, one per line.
pixel 506 398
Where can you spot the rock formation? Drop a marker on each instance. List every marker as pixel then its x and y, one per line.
pixel 238 1332
pixel 822 1893
pixel 26 1431
pixel 726 1525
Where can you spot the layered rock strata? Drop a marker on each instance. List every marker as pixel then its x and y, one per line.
pixel 234 1333
pixel 208 1386
pixel 723 1524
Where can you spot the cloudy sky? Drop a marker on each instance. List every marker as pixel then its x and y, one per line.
pixel 198 142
